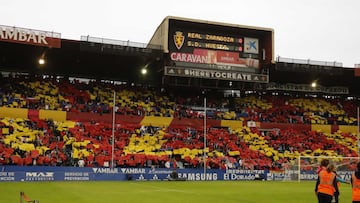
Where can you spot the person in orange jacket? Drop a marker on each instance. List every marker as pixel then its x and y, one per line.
pixel 323 164
pixel 326 185
pixel 355 183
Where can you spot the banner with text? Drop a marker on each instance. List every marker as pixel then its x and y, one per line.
pixel 215 74
pixel 29 36
pixel 44 173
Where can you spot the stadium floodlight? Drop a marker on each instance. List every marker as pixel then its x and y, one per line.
pixel 42 58
pixel 41 61
pixel 144 71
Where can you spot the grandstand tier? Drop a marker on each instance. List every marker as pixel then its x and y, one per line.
pixel 89 106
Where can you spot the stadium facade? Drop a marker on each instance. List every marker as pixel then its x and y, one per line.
pixel 182 52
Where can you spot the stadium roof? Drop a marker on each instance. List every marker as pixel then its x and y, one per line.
pixel 81 59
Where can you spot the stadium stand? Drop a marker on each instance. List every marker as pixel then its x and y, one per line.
pixel 164 131
pixel 91 98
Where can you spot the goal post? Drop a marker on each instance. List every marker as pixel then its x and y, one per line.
pixel 305 168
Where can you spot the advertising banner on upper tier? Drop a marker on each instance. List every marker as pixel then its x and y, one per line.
pixel 29 36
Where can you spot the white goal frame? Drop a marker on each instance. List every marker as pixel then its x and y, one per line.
pixel 340 163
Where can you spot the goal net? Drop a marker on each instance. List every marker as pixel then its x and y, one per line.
pixel 306 167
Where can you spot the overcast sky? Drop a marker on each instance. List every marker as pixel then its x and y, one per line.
pixel 325 30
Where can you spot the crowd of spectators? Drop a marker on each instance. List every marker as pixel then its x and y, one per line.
pixel 76 95
pixel 39 142
pixel 46 142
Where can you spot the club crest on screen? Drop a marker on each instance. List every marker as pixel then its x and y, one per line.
pixel 179 39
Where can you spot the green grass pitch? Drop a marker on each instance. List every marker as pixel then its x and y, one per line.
pixel 164 191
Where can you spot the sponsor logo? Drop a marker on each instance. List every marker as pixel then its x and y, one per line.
pixel 155 177
pixel 39 176
pixel 227 57
pixel 245 171
pixel 133 170
pixel 159 171
pixel 234 176
pixel 190 58
pixel 28 36
pixel 251 45
pixel 212 74
pixel 141 177
pixel 199 176
pixel 105 170
pixel 308 176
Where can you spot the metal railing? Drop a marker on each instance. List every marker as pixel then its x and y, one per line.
pixel 119 42
pixel 310 62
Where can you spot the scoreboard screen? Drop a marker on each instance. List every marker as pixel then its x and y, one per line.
pixel 218 46
pixel 212 50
